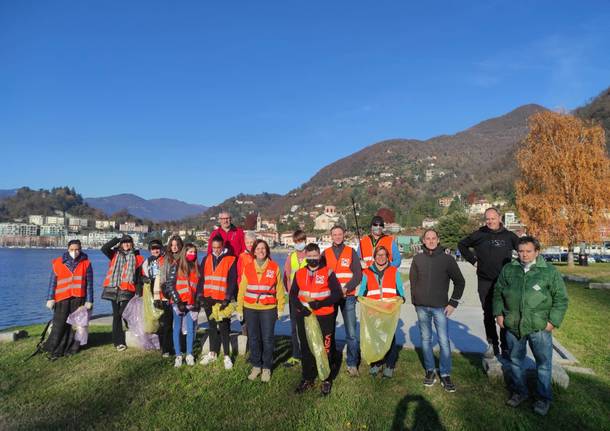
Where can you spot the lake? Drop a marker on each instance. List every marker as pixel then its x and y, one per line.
pixel 24 280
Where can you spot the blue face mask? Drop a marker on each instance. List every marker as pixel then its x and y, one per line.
pixel 299 246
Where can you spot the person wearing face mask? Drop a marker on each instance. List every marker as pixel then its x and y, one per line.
pixel 232 236
pixel 294 262
pixel 315 290
pixel 70 286
pixel 122 281
pixel 181 288
pixel 217 287
pixel 260 301
pixel 378 239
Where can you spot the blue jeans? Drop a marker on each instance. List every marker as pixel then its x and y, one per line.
pixel 348 310
pixel 425 316
pixel 261 331
pixel 541 343
pixel 190 331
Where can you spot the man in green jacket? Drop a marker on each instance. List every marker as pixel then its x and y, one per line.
pixel 529 301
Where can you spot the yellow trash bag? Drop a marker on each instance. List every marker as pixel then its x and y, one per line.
pixel 218 315
pixel 316 345
pixel 151 314
pixel 378 321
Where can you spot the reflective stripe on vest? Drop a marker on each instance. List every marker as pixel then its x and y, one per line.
pixel 70 284
pixel 215 280
pixel 388 288
pixel 186 287
pixel 342 266
pixel 261 291
pixel 366 248
pixel 314 288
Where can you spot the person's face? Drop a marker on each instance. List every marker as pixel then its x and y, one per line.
pixel 314 255
pixel 74 249
pixel 249 243
pixel 337 236
pixel 191 255
pixel 381 258
pixel 492 220
pixel 260 252
pixel 225 220
pixel 430 240
pixel 217 248
pixel 174 246
pixel 527 252
pixel 376 229
pixel 155 252
pixel 126 246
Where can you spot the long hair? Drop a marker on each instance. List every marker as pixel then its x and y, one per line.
pixel 171 257
pixel 184 266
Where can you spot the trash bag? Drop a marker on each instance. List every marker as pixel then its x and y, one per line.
pixel 315 341
pixel 194 318
pixel 79 320
pixel 378 321
pixel 218 315
pixel 134 316
pixel 151 314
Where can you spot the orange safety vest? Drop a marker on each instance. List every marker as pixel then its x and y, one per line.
pixel 314 289
pixel 342 266
pixel 388 284
pixel 187 286
pixel 261 291
pixel 126 283
pixel 215 280
pixel 244 260
pixel 366 248
pixel 70 284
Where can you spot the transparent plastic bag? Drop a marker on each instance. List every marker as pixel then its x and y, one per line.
pixel 378 321
pixel 315 341
pixel 151 314
pixel 79 320
pixel 134 316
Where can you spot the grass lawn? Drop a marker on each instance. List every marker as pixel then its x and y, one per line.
pixel 102 389
pixel 597 272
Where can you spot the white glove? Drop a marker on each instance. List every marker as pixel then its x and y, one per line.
pixel 50 304
pixel 88 305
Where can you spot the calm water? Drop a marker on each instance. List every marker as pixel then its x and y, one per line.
pixel 24 280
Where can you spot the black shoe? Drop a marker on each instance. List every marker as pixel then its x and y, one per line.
pixel 303 386
pixel 516 399
pixel 447 384
pixel 430 378
pixel 326 387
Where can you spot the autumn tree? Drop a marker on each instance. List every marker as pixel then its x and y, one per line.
pixel 387 215
pixel 564 184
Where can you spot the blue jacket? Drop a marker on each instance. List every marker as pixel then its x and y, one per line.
pixel 71 264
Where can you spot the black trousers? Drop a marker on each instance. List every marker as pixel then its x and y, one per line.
pixel 118 333
pixel 224 327
pixel 308 362
pixel 486 293
pixel 166 322
pixel 60 340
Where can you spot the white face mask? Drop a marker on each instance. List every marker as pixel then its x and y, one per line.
pixel 299 246
pixel 73 254
pixel 377 230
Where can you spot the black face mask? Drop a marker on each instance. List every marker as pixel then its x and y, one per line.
pixel 313 262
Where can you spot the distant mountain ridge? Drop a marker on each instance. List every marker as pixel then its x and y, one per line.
pixel 162 209
pixel 7 193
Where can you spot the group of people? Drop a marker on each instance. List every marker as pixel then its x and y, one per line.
pixel 525 297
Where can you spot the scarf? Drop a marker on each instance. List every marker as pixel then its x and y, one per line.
pixel 124 268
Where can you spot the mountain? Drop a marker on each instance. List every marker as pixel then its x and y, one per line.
pixel 7 193
pixel 152 209
pixel 598 110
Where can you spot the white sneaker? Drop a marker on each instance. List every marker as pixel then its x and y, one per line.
pixel 228 363
pixel 208 358
pixel 178 361
pixel 190 360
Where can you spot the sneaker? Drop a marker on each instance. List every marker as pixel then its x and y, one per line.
pixel 227 362
pixel 178 361
pixel 447 384
pixel 291 362
pixel 541 407
pixel 490 352
pixel 208 358
pixel 266 376
pixel 516 399
pixel 190 360
pixel 256 371
pixel 353 371
pixel 374 370
pixel 430 378
pixel 388 373
pixel 121 347
pixel 303 386
pixel 327 385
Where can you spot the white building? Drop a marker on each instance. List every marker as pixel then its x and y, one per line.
pixel 286 239
pixel 510 217
pixel 55 220
pixel 18 229
pixel 52 230
pixel 36 219
pixel 429 223
pixel 392 228
pixel 105 224
pixel 77 221
pixel 133 227
pixel 479 207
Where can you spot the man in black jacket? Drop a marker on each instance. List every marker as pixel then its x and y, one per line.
pixel 493 248
pixel 429 278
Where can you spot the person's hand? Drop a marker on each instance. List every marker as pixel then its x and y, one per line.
pixel 549 327
pixel 50 304
pixel 224 304
pixel 305 311
pixel 449 309
pixel 314 305
pixel 182 307
pixel 363 264
pixel 158 304
pixel 88 305
pixel 344 290
pixel 500 321
pixel 476 264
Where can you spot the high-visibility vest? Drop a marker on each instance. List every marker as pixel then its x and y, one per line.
pixel 70 284
pixel 244 260
pixel 342 266
pixel 314 288
pixel 187 286
pixel 367 249
pixel 295 265
pixel 127 283
pixel 215 280
pixel 388 288
pixel 261 291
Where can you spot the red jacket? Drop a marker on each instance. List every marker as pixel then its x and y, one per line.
pixel 234 240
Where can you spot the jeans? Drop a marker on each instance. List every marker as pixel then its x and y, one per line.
pixel 425 316
pixel 118 333
pixel 296 346
pixel 261 331
pixel 190 331
pixel 486 293
pixel 541 343
pixel 348 310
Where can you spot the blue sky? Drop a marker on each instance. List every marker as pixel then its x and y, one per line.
pixel 202 100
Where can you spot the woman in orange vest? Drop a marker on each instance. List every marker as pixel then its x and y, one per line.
pixel 315 290
pixel 244 259
pixel 217 285
pixel 123 280
pixel 70 286
pixel 181 288
pixel 260 300
pixel 382 281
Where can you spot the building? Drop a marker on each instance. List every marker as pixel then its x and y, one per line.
pixel 77 221
pixel 55 220
pixel 428 223
pixel 392 228
pixel 479 207
pixel 18 229
pixel 385 185
pixel 271 237
pixel 105 224
pixel 132 227
pixel 36 219
pixel 509 218
pixel 52 230
pixel 445 201
pixel 325 222
pixel 286 239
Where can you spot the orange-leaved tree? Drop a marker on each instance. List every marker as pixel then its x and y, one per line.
pixel 564 187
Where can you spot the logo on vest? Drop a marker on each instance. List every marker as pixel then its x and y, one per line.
pixel 344 262
pixel 270 273
pixel 319 279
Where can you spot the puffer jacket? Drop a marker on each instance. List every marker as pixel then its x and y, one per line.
pixel 528 300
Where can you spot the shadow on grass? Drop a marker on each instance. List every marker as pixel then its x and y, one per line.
pixel 425 416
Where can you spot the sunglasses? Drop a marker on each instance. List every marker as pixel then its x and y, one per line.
pixel 377 224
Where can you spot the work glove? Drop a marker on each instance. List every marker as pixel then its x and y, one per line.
pixel 50 304
pixel 158 304
pixel 196 307
pixel 145 279
pixel 88 305
pixel 182 307
pixel 315 305
pixel 224 304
